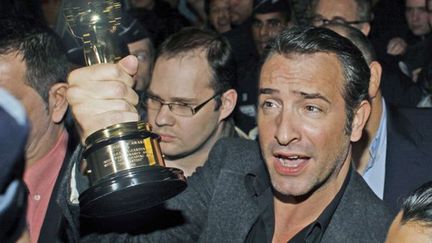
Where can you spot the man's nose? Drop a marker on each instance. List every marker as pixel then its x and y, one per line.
pixel 164 116
pixel 287 128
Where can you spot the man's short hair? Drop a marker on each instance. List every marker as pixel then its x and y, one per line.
pixel 41 50
pixel 218 52
pixel 364 9
pixel 417 208
pixel 311 40
pixel 279 6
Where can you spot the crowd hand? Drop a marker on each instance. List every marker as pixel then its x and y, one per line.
pixel 396 46
pixel 101 95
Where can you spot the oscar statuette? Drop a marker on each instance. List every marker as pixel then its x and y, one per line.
pixel 125 166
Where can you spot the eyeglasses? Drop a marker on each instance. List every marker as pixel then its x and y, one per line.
pixel 181 109
pixel 318 21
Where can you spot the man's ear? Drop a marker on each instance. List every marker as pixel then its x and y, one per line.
pixel 57 101
pixel 375 79
pixel 229 101
pixel 359 121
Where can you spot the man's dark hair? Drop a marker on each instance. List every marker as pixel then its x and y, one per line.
pixel 307 41
pixel 217 49
pixel 267 6
pixel 357 38
pixel 417 207
pixel 364 9
pixel 40 48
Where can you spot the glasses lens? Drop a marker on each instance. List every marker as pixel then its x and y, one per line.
pixel 181 109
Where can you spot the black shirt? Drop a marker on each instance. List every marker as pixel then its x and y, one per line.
pixel 258 182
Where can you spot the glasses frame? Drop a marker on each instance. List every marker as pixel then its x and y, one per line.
pixel 194 108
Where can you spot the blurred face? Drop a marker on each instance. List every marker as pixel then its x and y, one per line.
pixel 408 232
pixel 240 10
pixel 339 11
pixel 183 80
pixel 266 27
pixel 301 120
pixel 142 50
pixel 219 15
pixel 417 16
pixel 12 79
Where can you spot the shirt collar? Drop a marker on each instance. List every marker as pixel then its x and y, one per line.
pixel 257 180
pixel 374 147
pixel 257 183
pixel 320 225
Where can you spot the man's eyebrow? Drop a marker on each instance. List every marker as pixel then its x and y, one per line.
pixel 302 93
pixel 174 99
pixel 314 96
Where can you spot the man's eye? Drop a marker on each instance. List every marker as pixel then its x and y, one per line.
pixel 269 104
pixel 312 108
pixel 274 24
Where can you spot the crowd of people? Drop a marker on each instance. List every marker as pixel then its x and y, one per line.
pixel 293 121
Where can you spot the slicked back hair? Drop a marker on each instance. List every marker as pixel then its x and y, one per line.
pixel 417 208
pixel 311 40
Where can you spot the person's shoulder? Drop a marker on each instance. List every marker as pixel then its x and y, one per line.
pixel 361 216
pixel 239 145
pixel 235 153
pixel 364 196
pixel 415 121
pixel 411 112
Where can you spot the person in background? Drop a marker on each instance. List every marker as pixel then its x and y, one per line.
pixel 410 50
pixel 356 13
pixel 393 155
pixel 414 221
pixel 218 15
pixel 416 16
pixel 269 18
pixel 240 11
pixel 34 69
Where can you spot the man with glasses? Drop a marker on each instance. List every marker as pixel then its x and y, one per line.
pixel 190 97
pixel 356 13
